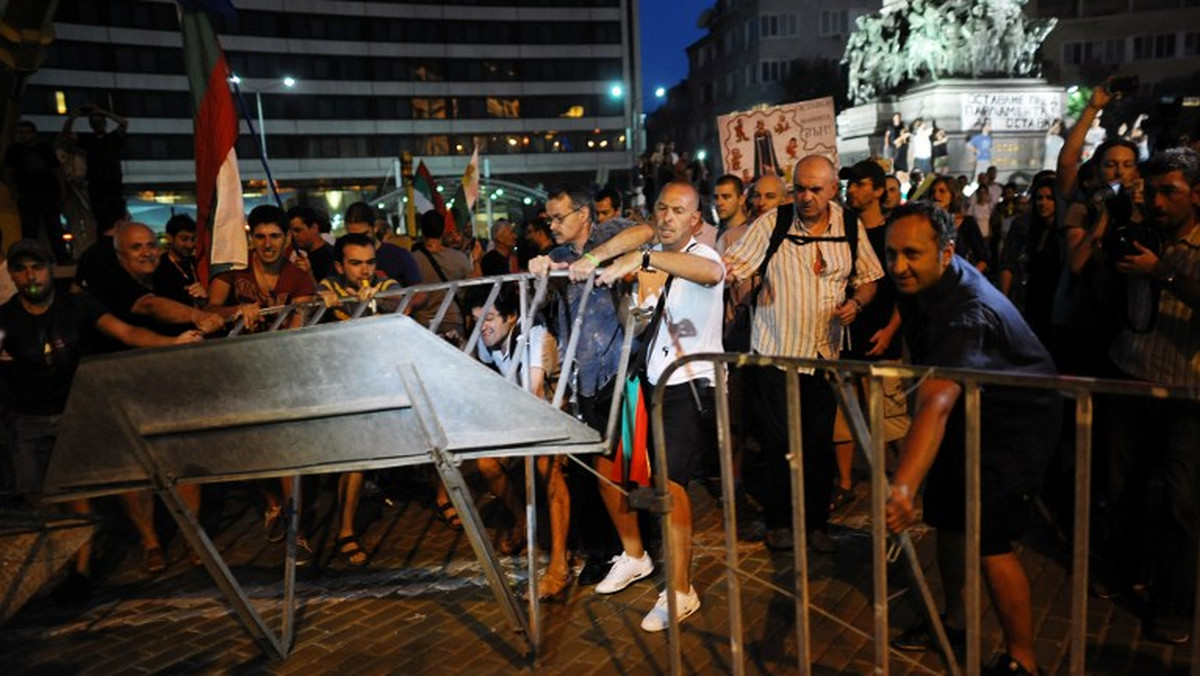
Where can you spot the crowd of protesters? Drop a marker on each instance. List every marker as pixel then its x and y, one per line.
pixel 1092 269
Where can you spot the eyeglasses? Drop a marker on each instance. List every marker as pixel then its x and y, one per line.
pixel 558 220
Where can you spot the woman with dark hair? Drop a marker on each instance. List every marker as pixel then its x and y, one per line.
pixel 970 243
pixel 1032 263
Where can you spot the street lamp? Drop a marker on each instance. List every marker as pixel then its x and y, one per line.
pixel 660 92
pixel 287 82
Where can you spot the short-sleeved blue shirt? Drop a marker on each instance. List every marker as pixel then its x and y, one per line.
pixel 599 352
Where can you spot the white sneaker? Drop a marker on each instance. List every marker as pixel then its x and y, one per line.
pixel 625 571
pixel 658 617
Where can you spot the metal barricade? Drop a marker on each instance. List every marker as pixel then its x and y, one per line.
pixel 868 432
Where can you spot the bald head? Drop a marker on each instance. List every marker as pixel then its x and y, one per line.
pixel 815 185
pixel 137 249
pixel 676 214
pixel 768 193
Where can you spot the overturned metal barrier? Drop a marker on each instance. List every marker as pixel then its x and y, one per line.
pixel 351 396
pixel 867 428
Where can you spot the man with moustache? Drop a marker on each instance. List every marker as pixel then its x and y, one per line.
pixel 815 283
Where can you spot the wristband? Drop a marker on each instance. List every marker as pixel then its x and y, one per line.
pixel 646 260
pixel 591 258
pixel 858 303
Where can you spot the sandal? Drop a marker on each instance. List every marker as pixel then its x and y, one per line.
pixel 154 561
pixel 841 498
pixel 449 515
pixel 350 552
pixel 554 588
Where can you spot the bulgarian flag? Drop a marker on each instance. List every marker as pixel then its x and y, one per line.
pixel 220 217
pixel 425 192
pixel 465 197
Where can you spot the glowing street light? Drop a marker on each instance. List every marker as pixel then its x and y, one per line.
pixel 617 91
pixel 660 92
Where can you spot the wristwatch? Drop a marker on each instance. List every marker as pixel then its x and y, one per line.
pixel 646 259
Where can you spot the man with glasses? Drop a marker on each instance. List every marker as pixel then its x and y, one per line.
pixel 582 246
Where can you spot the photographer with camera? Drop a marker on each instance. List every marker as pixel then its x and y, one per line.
pixel 1151 436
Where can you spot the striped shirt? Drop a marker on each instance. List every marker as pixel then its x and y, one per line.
pixel 1170 352
pixel 805 284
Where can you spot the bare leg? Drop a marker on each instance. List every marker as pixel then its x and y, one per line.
pixel 1009 589
pixel 624 520
pixel 191 497
pixel 681 535
pixel 559 505
pixel 349 490
pixel 139 506
pixel 83 558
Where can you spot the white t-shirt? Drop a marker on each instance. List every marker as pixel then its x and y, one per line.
pixel 922 144
pixel 543 354
pixel 692 323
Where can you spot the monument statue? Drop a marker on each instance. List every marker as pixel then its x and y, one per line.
pixel 915 41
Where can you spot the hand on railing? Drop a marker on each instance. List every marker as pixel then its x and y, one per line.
pixel 901 512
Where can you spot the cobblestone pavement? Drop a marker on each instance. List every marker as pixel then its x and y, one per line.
pixel 423 607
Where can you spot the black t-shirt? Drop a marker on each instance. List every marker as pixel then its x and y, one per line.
pixel 97 264
pixel 878 312
pixel 45 350
pixel 103 157
pixel 321 261
pixel 119 294
pixel 172 279
pixel 33 171
pixel 494 263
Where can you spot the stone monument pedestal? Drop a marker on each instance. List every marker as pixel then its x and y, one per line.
pixel 1020 112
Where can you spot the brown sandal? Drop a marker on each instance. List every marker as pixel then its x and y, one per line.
pixel 154 561
pixel 511 541
pixel 554 588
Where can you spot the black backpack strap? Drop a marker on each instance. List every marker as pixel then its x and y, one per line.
pixel 784 214
pixel 651 332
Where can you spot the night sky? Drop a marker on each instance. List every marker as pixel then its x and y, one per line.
pixel 667 26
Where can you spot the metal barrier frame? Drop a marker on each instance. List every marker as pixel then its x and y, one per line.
pixel 869 439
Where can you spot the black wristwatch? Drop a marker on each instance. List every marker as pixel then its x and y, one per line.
pixel 646 259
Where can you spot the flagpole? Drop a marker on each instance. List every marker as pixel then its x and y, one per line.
pixel 410 209
pixel 262 141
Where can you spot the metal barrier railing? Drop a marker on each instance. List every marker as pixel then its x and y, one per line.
pixel 868 431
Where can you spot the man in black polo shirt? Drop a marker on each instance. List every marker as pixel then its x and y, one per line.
pixel 953 317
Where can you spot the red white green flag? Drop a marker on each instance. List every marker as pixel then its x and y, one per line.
pixel 220 217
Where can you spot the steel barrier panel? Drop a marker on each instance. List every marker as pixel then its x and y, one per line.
pixel 314 400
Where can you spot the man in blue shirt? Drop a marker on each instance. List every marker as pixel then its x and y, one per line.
pixel 583 244
pixel 953 317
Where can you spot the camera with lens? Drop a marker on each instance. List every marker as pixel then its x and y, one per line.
pixel 1123 232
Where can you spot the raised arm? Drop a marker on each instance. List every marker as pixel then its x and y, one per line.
pixel 1072 150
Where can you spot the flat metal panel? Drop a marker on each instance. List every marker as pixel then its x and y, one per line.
pixel 314 400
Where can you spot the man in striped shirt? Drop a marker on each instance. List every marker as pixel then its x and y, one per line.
pixel 813 287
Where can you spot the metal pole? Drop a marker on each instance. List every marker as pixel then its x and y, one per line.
pixel 262 130
pixel 972 592
pixel 410 207
pixel 879 541
pixel 729 496
pixel 799 529
pixel 1079 555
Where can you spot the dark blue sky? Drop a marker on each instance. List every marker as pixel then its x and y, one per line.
pixel 667 27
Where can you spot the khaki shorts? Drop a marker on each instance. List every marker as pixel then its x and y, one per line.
pixel 895 413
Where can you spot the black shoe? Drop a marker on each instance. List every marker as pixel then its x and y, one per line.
pixel 595 569
pixel 921 638
pixel 779 539
pixel 1004 665
pixel 74 590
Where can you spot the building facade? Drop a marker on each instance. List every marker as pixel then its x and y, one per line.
pixel 751 49
pixel 530 81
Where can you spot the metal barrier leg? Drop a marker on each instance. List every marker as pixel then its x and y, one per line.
pixel 879 496
pixel 973 599
pixel 729 496
pixel 799 531
pixel 253 622
pixel 1082 545
pixel 460 496
pixel 848 400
